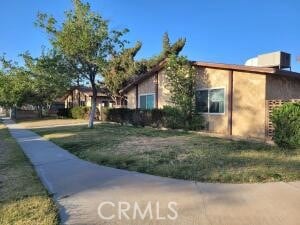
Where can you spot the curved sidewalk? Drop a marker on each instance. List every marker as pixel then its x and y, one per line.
pixel 79 187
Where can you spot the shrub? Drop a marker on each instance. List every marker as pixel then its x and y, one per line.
pixel 63 113
pixel 157 116
pixel 197 123
pixel 170 117
pixel 173 118
pixel 80 112
pixel 104 113
pixel 83 112
pixel 124 115
pixel 111 114
pixel 136 118
pixel 286 121
pixel 118 115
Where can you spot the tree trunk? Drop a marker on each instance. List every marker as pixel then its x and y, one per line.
pixel 93 110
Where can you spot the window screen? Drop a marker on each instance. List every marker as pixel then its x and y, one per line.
pixel 210 101
pixel 147 101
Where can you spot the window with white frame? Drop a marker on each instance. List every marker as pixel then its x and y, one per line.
pixel 147 101
pixel 210 100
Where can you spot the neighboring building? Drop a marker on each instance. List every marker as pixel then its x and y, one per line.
pixel 234 99
pixel 82 96
pixel 2 110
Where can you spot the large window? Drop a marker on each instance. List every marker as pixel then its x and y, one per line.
pixel 146 101
pixel 210 100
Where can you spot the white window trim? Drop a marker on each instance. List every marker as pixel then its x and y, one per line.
pixel 213 88
pixel 144 94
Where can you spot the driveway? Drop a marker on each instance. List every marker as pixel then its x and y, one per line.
pixel 85 191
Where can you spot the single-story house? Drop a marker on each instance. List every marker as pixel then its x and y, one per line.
pixel 82 96
pixel 234 99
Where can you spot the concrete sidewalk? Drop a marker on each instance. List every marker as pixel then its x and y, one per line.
pixel 79 187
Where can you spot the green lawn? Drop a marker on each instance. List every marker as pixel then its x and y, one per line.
pixel 23 200
pixel 177 154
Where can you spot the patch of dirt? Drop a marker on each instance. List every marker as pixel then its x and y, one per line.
pixel 146 144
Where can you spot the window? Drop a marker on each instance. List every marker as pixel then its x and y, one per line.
pixel 82 103
pixel 146 101
pixel 210 101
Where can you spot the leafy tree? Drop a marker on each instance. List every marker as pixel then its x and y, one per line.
pixel 85 41
pixel 168 49
pixel 121 68
pixel 181 81
pixel 39 82
pixel 15 84
pixel 51 77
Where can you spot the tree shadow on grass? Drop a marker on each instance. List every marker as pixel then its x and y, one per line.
pixel 200 158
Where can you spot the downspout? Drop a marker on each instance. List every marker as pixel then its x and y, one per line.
pixel 156 90
pixel 230 101
pixel 137 96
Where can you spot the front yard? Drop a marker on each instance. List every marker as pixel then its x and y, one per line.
pixel 23 200
pixel 176 154
pixel 35 123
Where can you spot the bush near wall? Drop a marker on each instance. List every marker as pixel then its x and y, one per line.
pixel 169 117
pixel 65 113
pixel 286 120
pixel 82 112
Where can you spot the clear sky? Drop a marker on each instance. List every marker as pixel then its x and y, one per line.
pixel 225 31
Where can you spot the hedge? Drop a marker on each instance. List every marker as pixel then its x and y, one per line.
pixel 63 112
pixel 78 112
pixel 169 117
pixel 286 121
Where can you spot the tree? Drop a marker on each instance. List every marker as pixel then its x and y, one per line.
pixel 15 84
pixel 85 40
pixel 168 49
pixel 39 82
pixel 51 77
pixel 181 81
pixel 121 68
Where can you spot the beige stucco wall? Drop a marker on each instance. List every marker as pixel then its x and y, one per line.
pixel 279 87
pixel 163 91
pixel 248 113
pixel 248 100
pixel 131 99
pixel 215 78
pixel 147 86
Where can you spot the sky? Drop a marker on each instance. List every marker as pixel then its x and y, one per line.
pixel 224 31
